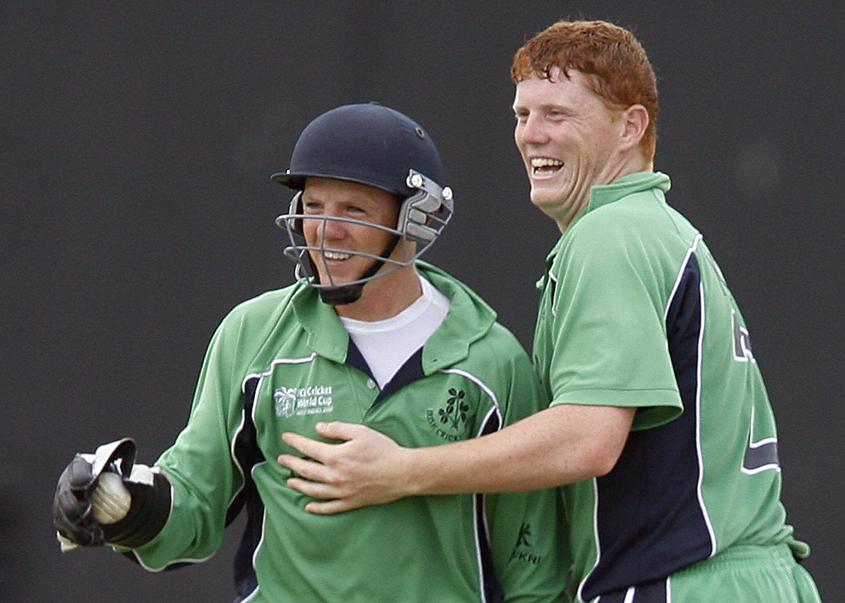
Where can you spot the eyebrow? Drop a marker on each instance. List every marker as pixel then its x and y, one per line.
pixel 546 107
pixel 348 199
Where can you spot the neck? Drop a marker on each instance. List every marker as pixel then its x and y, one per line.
pixel 385 297
pixel 629 164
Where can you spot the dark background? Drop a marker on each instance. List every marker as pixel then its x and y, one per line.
pixel 138 140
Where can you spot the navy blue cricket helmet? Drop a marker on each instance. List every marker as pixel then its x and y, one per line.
pixel 377 146
pixel 366 143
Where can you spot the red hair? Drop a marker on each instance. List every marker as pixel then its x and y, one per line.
pixel 610 56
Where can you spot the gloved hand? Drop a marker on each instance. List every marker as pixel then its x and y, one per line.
pixel 104 498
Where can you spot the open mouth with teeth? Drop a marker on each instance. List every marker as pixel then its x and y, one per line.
pixel 541 166
pixel 336 255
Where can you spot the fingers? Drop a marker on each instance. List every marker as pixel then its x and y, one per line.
pixel 68 508
pixel 70 503
pixel 337 430
pixel 348 473
pixel 319 451
pixel 306 468
pixel 331 507
pixel 322 451
pixel 316 490
pixel 79 474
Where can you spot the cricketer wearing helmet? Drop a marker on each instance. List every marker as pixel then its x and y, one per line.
pixel 368 334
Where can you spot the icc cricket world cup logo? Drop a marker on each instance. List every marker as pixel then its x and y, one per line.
pixel 284 399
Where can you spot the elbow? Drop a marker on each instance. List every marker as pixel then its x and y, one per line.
pixel 602 464
pixel 597 461
pixel 603 447
pixel 570 468
pixel 585 442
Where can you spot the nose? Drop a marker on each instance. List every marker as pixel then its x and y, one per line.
pixel 530 130
pixel 322 229
pixel 332 229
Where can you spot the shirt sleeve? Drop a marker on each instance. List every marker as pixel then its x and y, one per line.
pixel 199 465
pixel 526 533
pixel 609 334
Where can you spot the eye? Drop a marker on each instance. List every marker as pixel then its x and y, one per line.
pixel 312 207
pixel 356 210
pixel 520 115
pixel 359 208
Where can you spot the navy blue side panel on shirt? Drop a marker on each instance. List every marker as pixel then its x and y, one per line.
pixel 654 524
pixel 247 456
pixel 761 456
pixel 492 590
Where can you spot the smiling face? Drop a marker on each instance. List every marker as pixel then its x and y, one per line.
pixel 341 262
pixel 569 140
pixel 344 252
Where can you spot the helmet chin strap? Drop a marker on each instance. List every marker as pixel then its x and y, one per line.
pixel 347 294
pixel 339 296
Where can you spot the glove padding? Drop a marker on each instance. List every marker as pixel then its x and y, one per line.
pixel 73 502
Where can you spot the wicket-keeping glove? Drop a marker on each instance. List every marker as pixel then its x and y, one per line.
pixel 105 498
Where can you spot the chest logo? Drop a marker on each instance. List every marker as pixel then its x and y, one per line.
pixel 451 420
pixel 303 401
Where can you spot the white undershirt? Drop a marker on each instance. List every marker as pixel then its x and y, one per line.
pixel 387 344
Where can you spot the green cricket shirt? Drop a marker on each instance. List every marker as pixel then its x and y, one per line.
pixel 282 362
pixel 634 312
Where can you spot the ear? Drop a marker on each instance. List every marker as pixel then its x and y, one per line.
pixel 635 121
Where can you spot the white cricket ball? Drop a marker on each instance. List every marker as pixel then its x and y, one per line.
pixel 110 500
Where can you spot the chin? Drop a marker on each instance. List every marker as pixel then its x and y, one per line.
pixel 546 198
